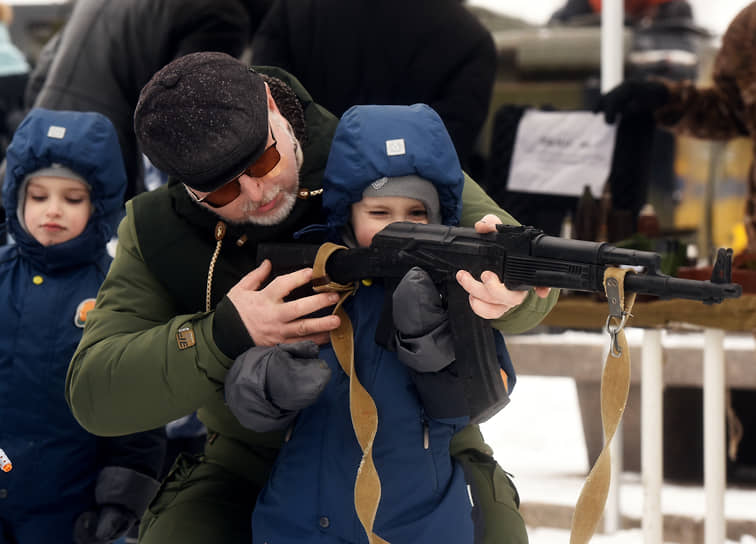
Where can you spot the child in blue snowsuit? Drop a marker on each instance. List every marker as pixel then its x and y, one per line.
pixel 386 164
pixel 63 194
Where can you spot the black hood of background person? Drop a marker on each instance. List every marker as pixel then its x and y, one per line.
pixel 256 10
pixel 86 143
pixel 386 52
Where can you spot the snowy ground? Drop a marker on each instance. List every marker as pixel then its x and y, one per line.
pixel 538 437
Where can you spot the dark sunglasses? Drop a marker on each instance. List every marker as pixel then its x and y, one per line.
pixel 225 194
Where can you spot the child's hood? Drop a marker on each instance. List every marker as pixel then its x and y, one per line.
pixel 372 142
pixel 85 142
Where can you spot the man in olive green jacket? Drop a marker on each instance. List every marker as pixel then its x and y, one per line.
pixel 184 296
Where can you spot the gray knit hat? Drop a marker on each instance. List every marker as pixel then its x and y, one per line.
pixel 409 186
pixel 203 119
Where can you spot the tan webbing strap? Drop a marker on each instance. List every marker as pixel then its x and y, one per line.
pixel 615 384
pixel 367 485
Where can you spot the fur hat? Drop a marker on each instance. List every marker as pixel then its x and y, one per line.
pixel 203 119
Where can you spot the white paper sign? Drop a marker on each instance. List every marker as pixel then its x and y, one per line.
pixel 561 152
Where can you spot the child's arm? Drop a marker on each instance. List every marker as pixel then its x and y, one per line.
pixel 476 205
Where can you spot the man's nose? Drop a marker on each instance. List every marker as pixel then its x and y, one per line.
pixel 253 187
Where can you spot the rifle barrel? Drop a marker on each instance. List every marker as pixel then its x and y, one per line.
pixel 553 247
pixel 670 287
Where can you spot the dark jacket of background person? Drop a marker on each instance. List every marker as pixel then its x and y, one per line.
pixel 109 49
pixel 348 52
pixel 56 463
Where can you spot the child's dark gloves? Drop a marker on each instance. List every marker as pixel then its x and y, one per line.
pixel 104 525
pixel 122 496
pixel 632 97
pixel 423 338
pixel 267 386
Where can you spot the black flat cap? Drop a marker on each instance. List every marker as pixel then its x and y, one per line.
pixel 203 119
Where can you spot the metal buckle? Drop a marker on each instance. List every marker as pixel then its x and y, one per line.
pixel 615 349
pixel 616 312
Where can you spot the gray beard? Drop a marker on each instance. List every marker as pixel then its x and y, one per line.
pixel 283 211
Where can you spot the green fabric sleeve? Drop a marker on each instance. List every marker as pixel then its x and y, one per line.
pixel 475 204
pixel 138 365
pixel 496 515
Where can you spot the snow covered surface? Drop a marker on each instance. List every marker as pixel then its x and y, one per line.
pixel 538 437
pixel 691 339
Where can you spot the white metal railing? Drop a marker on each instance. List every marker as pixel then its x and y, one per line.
pixel 535 355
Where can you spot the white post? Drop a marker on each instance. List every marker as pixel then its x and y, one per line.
pixel 651 435
pixel 612 44
pixel 612 62
pixel 714 435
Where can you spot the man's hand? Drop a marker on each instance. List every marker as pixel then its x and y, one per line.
pixel 270 320
pixel 490 298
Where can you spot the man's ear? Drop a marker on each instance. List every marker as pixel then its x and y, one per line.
pixel 271 103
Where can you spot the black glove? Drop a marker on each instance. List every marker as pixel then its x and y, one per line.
pixel 122 495
pixel 267 386
pixel 423 337
pixel 632 97
pixel 104 525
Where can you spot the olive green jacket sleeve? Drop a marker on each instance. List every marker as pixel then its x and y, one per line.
pixel 496 515
pixel 139 365
pixel 476 204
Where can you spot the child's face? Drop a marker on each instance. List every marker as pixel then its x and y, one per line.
pixel 371 214
pixel 56 209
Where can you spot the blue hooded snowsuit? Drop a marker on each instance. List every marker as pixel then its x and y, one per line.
pixel 309 496
pixel 46 292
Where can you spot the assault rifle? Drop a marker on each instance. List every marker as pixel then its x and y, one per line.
pixel 522 256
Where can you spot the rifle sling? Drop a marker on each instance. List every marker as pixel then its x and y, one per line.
pixel 615 384
pixel 367 486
